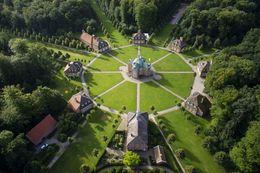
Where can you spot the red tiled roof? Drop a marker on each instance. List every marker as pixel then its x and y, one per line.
pixel 85 37
pixel 42 129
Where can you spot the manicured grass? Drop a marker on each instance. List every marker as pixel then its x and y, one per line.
pixel 152 53
pixel 99 83
pixel 178 83
pixel 125 54
pixel 90 138
pixel 197 52
pixel 116 36
pixel 172 63
pixel 160 37
pixel 177 123
pixel 154 95
pixel 123 95
pixel 105 63
pixel 66 87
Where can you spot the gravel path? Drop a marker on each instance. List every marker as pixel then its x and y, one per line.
pixel 122 62
pixel 110 89
pixel 166 89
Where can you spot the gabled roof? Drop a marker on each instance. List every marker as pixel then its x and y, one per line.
pixel 79 101
pixel 202 65
pixel 179 43
pixel 73 67
pixel 42 130
pixel 199 101
pixel 139 62
pixel 139 35
pixel 87 38
pixel 159 154
pixel 137 128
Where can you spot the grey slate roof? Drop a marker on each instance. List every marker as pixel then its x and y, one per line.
pixel 73 67
pixel 137 131
pixel 199 102
pixel 203 65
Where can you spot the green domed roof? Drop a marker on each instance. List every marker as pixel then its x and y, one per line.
pixel 139 62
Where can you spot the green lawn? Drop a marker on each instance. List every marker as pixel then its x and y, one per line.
pixel 154 95
pixel 105 63
pixel 178 83
pixel 90 138
pixel 66 87
pixel 197 52
pixel 117 37
pixel 123 95
pixel 160 37
pixel 152 54
pixel 125 54
pixel 99 83
pixel 177 123
pixel 172 63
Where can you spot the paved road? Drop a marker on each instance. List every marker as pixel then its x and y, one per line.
pixel 161 58
pixel 110 89
pixel 160 113
pixel 138 98
pixel 179 14
pixel 121 47
pixel 122 62
pixel 166 89
pixel 105 72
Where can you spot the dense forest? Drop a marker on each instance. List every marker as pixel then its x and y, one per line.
pixel 233 82
pixel 130 15
pixel 218 23
pixel 45 16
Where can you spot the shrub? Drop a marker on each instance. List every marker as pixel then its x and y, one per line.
pixel 171 137
pixel 95 152
pixel 62 137
pixel 222 158
pixel 180 153
pixel 84 168
pixel 190 169
pixel 197 129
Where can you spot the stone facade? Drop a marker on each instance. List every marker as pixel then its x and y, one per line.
pixel 97 44
pixel 139 67
pixel 197 104
pixel 203 68
pixel 80 102
pixel 139 38
pixel 73 69
pixel 177 45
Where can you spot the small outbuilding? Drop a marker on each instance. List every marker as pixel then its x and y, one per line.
pixel 95 43
pixel 137 131
pixel 198 104
pixel 139 38
pixel 177 45
pixel 45 127
pixel 80 102
pixel 159 155
pixel 203 68
pixel 73 69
